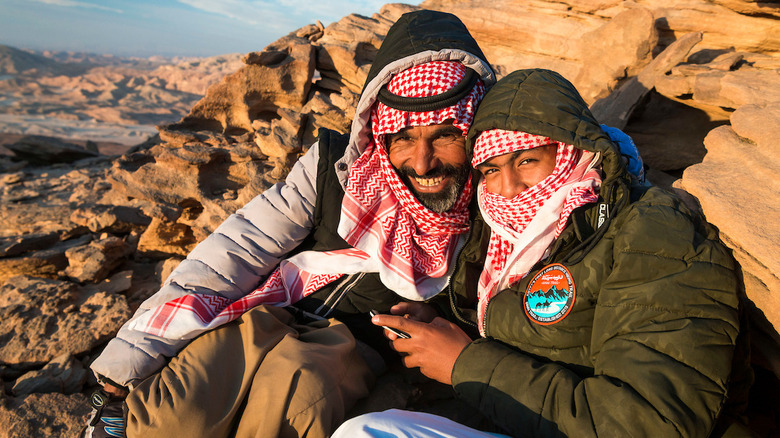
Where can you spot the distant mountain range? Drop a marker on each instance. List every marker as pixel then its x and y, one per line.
pixel 14 61
pixel 100 97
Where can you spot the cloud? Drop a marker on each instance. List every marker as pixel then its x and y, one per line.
pixel 283 14
pixel 77 4
pixel 247 11
pixel 332 10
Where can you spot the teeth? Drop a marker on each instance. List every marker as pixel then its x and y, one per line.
pixel 429 181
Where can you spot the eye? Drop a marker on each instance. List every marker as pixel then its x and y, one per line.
pixel 399 138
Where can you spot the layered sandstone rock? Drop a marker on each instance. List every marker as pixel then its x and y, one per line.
pixel 738 187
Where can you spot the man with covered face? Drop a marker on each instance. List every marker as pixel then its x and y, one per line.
pixel 270 304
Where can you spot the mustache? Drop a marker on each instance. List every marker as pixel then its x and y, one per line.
pixel 444 170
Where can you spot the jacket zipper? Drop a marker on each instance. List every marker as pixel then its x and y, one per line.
pixel 339 292
pixel 450 292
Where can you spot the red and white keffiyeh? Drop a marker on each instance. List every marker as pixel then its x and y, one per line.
pixel 522 228
pixel 392 233
pixel 412 244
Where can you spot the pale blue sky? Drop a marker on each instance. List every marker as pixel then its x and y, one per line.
pixel 164 27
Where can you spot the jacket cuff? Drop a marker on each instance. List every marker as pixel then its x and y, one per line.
pixel 125 365
pixel 474 368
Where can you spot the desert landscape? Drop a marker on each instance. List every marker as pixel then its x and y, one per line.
pixel 113 169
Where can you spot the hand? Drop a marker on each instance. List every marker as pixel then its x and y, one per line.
pixel 415 311
pixel 115 391
pixel 433 347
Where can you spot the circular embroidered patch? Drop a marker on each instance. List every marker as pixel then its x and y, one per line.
pixel 550 295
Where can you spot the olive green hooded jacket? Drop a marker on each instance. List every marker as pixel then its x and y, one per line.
pixel 646 348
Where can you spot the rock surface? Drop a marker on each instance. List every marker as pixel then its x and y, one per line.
pixel 82 244
pixel 738 187
pixel 38 149
pixel 41 319
pixel 63 374
pixel 39 415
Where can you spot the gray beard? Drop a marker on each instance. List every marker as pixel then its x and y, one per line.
pixel 445 199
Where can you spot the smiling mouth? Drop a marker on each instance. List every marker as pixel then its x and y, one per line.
pixel 429 182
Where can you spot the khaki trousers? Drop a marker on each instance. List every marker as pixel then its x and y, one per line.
pixel 262 375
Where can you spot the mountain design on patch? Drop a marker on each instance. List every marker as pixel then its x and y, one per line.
pixel 546 302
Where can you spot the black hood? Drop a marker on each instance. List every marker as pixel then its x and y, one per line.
pixel 421 31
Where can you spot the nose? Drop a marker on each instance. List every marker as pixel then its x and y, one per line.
pixel 511 185
pixel 424 157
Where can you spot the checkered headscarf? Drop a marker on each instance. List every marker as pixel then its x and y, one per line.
pixel 380 214
pixel 542 210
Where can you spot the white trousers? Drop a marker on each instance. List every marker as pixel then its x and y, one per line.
pixel 395 423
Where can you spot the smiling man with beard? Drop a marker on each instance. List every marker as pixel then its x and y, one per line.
pixel 438 182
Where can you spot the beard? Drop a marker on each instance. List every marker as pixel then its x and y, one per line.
pixel 444 199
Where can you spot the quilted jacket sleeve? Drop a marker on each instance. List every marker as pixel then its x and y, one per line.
pixel 663 336
pixel 230 262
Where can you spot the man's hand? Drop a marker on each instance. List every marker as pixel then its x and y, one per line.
pixel 115 391
pixel 433 347
pixel 415 311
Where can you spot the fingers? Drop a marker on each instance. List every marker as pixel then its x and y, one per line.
pixel 441 322
pixel 396 322
pixel 401 308
pixel 415 311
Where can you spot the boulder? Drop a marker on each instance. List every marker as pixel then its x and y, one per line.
pixel 627 41
pixel 278 77
pixel 738 186
pixel 14 246
pixel 165 239
pixel 45 263
pixel 110 218
pixel 349 46
pixel 40 149
pixel 710 85
pixel 118 283
pixel 558 35
pixel 197 184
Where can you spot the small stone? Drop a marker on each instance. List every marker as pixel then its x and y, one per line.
pixel 64 374
pixel 12 178
pixel 93 262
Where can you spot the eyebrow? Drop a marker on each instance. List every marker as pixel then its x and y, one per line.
pixel 442 131
pixel 515 154
pixel 449 129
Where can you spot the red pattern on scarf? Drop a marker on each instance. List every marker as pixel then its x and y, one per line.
pixel 417 243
